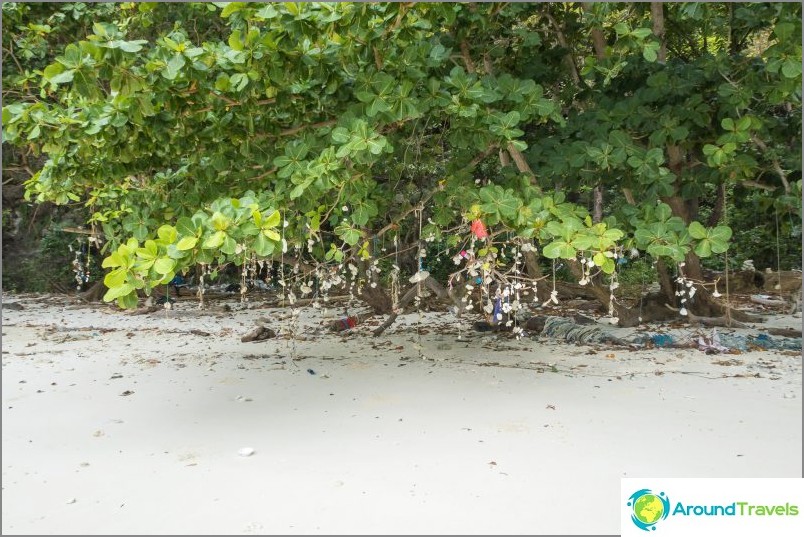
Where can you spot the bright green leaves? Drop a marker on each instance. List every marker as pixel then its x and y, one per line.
pixel 717 156
pixel 173 66
pixel 710 240
pixel 737 132
pixel 348 234
pixel 360 137
pixel 230 228
pixel 499 204
pixel 139 267
pixel 504 125
pixel 661 234
pixel 293 159
pixel 571 236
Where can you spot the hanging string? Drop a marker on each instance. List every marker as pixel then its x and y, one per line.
pixel 291 299
pixel 419 289
pixel 778 252
pixel 726 256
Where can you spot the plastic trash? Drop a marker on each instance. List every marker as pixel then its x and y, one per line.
pixel 344 323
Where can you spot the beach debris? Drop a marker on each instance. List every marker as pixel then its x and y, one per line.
pixel 71 501
pixel 126 393
pixel 243 399
pixel 311 371
pixel 344 323
pixel 246 452
pixel 731 342
pixel 258 334
pixel 569 330
pixel 200 333
pixel 15 306
pixel 767 300
pixel 419 276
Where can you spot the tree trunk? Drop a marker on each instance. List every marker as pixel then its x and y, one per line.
pixel 597 210
pixel 649 308
pixel 94 293
pixel 657 14
pixel 598 41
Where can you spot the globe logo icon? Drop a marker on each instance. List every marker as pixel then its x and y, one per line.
pixel 648 508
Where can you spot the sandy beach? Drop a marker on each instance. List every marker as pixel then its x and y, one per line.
pixel 122 424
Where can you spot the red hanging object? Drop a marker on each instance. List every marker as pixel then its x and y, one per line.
pixel 479 229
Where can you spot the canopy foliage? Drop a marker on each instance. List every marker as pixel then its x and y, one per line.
pixel 211 133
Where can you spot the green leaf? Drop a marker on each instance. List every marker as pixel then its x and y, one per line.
pixel 164 265
pixel 650 52
pixel 115 278
pixel 116 292
pixel 297 192
pixel 697 231
pixel 229 246
pixel 128 301
pixel 560 249
pixel 236 40
pixel 185 226
pixel 263 246
pixel 641 33
pixel 272 220
pixel 704 248
pixel 167 234
pixel 272 234
pixel 222 82
pixel 791 68
pixel 187 243
pixel 215 240
pixel 148 251
pixel 131 46
pixel 220 221
pixel 232 7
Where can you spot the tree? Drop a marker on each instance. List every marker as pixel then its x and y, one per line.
pixel 311 133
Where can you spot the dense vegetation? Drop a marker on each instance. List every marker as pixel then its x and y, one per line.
pixel 338 138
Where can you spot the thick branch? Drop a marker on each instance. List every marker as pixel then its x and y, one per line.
pixel 521 163
pixel 775 162
pixel 629 196
pixel 598 41
pixel 757 184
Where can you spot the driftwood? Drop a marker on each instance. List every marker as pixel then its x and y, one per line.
pixel 144 310
pixel 784 332
pixel 711 321
pixel 758 299
pixel 258 334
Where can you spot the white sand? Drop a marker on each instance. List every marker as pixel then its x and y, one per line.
pixel 376 441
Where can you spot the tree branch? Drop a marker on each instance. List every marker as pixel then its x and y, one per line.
pixel 562 41
pixel 774 162
pixel 467 59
